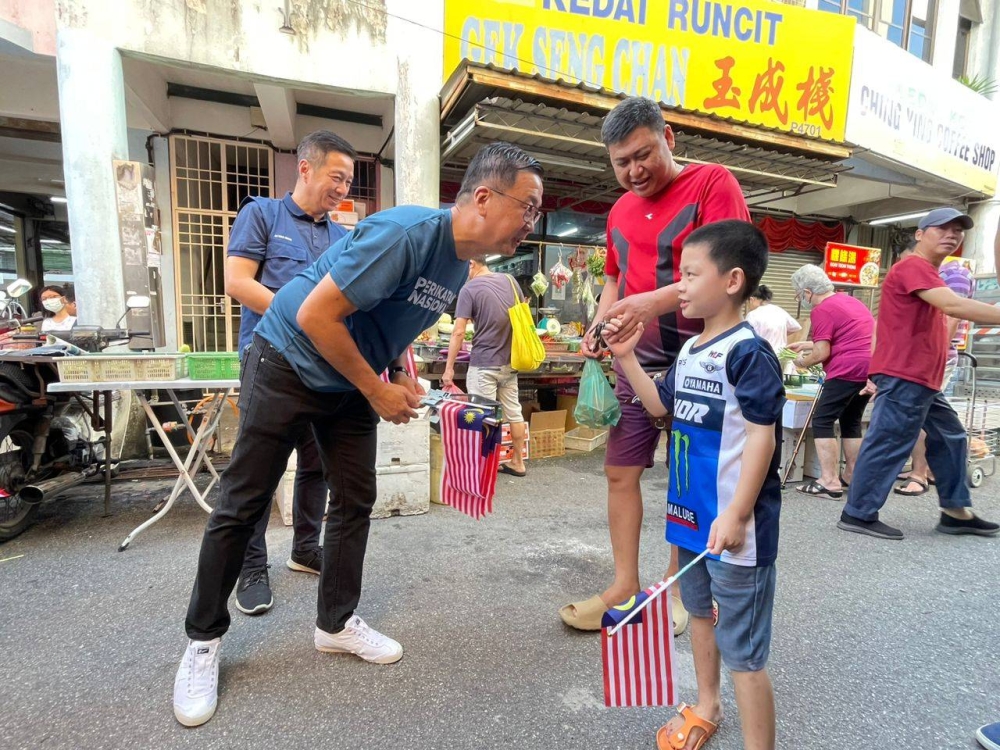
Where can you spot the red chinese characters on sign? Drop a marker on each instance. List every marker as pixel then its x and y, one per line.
pixel 815 97
pixel 767 91
pixel 851 264
pixel 726 94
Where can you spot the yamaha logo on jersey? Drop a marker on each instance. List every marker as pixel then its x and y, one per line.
pixel 682 516
pixel 705 386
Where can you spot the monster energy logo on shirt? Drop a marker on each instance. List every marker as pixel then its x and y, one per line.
pixel 681 450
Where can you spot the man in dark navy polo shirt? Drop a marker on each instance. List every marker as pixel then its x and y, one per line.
pixel 271 241
pixel 314 363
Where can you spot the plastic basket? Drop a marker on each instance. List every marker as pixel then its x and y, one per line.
pixel 214 366
pixel 75 369
pixel 116 367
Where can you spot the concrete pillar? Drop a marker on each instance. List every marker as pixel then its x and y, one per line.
pixel 92 114
pixel 161 162
pixel 979 239
pixel 945 35
pixel 418 112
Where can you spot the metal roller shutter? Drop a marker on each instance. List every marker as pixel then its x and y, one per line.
pixel 780 267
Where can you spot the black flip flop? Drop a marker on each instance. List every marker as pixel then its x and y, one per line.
pixel 843 482
pixel 815 488
pixel 923 488
pixel 505 469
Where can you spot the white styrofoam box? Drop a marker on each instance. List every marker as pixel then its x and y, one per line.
pixel 795 413
pixel 788 439
pixel 810 462
pixel 403 444
pixel 285 491
pixel 405 490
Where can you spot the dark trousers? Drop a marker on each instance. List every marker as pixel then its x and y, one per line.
pixel 901 409
pixel 308 506
pixel 276 409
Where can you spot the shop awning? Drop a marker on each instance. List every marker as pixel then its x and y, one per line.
pixel 560 123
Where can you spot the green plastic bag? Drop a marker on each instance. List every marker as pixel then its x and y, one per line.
pixel 596 405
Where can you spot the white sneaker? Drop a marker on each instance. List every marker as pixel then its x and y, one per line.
pixel 361 640
pixel 196 686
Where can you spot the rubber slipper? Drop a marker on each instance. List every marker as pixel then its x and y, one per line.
pixel 904 476
pixel 585 615
pixel 815 488
pixel 677 739
pixel 505 469
pixel 843 482
pixel 910 493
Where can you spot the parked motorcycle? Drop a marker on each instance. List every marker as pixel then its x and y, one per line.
pixel 49 442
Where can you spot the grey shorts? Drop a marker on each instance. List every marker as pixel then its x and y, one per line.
pixel 745 600
pixel 499 384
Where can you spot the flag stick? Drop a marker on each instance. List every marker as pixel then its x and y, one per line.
pixel 660 588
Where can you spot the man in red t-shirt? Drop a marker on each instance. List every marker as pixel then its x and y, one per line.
pixel 911 346
pixel 665 202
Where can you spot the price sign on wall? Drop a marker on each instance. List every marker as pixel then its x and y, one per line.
pixel 852 264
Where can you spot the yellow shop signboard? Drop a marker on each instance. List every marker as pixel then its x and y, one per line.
pixel 755 61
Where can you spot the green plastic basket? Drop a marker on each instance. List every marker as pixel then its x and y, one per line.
pixel 213 366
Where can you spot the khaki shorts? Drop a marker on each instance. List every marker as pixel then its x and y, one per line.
pixel 499 384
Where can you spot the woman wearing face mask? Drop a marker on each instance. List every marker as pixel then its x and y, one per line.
pixel 57 317
pixel 840 339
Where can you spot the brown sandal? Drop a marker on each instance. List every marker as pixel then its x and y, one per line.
pixel 678 739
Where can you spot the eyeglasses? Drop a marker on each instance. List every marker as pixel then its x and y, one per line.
pixel 531 213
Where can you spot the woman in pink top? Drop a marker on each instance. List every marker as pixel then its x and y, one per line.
pixel 840 339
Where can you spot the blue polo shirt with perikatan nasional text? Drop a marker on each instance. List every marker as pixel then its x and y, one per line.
pixel 399 268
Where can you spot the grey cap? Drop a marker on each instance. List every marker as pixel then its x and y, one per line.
pixel 941 216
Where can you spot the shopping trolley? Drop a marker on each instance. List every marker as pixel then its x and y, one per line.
pixel 982 425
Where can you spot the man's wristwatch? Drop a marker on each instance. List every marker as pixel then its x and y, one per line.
pixel 398 368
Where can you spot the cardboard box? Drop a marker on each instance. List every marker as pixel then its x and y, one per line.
pixel 505 438
pixel 567 402
pixel 548 432
pixel 437 466
pixel 507 452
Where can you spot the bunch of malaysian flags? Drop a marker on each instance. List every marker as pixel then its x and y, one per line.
pixel 471 443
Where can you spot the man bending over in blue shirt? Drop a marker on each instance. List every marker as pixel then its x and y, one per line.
pixel 314 361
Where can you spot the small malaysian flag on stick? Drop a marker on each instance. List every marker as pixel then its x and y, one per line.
pixel 638 653
pixel 639 659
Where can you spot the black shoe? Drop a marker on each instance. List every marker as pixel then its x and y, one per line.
pixel 309 562
pixel 253 592
pixel 974 525
pixel 872 528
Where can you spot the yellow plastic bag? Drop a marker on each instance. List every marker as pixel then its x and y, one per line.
pixel 527 351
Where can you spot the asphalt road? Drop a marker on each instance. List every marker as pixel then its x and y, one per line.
pixel 876 643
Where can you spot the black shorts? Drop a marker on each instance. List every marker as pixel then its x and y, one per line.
pixel 840 400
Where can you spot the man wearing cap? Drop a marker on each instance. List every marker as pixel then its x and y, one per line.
pixel 907 367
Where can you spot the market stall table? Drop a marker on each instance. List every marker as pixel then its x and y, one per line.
pixel 191 464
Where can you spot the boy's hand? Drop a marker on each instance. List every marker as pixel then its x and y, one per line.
pixel 612 336
pixel 727 534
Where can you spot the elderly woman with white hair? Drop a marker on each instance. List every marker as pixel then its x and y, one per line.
pixel 840 339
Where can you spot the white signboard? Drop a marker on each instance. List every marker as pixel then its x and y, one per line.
pixel 902 108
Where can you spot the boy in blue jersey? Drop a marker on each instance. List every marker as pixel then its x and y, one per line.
pixel 725 393
pixel 314 365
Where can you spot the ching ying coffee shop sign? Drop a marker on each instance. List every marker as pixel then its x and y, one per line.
pixel 904 110
pixel 753 61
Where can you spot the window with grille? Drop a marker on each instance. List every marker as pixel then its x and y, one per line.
pixel 209 178
pixel 365 188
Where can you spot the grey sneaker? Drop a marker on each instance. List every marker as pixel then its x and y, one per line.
pixel 196 686
pixel 310 562
pixel 253 592
pixel 360 639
